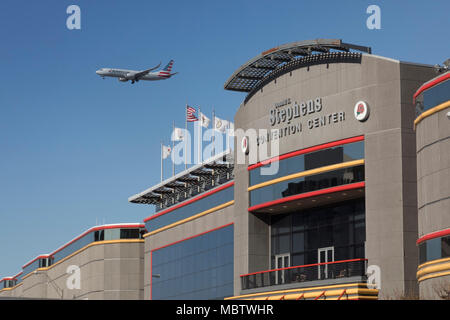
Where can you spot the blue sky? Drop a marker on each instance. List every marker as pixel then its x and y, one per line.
pixel 74 147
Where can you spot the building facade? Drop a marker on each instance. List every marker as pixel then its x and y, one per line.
pixel 108 261
pixel 328 194
pixel 432 126
pixel 324 186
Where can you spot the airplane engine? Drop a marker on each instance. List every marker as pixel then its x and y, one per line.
pixel 123 79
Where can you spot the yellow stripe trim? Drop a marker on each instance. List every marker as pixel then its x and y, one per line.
pixel 435 275
pixel 308 173
pixel 198 215
pixel 431 111
pixel 330 294
pixel 84 248
pixel 433 269
pixel 363 285
pixel 432 262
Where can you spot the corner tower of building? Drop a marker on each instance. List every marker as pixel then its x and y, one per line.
pixel 337 122
pixel 432 124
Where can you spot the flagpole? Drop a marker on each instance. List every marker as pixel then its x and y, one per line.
pixel 200 140
pixel 214 133
pixel 185 141
pixel 173 162
pixel 161 161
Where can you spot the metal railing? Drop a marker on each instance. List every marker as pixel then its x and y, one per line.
pixel 305 273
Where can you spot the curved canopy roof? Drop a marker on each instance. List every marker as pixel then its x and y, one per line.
pixel 253 71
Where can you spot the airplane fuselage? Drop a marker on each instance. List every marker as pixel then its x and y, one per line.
pixel 134 76
pixel 125 75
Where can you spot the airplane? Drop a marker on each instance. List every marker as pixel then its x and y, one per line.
pixel 135 76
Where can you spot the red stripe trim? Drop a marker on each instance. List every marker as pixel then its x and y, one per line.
pixel 82 235
pixel 171 244
pixel 204 195
pixel 8 278
pixel 304 266
pixel 433 235
pixel 306 150
pixel 323 292
pixel 341 295
pixel 305 195
pixel 430 84
pixel 194 236
pixel 35 259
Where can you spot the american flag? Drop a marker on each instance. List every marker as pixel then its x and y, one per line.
pixel 190 114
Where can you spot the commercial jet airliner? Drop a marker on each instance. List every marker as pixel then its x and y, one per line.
pixel 135 76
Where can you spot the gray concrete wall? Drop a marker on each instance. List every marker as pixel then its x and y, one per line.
pixel 387 86
pixel 434 288
pixel 108 271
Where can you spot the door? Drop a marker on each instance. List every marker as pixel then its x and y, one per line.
pixel 282 261
pixel 324 255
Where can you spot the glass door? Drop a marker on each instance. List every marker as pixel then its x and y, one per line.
pixel 282 261
pixel 324 255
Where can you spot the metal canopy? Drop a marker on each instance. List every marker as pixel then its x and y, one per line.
pixel 250 74
pixel 176 187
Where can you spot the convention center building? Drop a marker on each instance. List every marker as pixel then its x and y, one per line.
pixel 337 188
pixel 339 217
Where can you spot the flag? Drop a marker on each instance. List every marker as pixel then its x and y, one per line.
pixel 204 120
pixel 220 124
pixel 166 150
pixel 190 114
pixel 231 126
pixel 177 134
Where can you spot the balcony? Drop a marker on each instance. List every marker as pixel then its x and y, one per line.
pixel 304 274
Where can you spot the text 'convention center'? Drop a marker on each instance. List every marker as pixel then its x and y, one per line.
pixel 356 204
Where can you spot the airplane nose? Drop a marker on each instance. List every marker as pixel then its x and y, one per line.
pixel 97 72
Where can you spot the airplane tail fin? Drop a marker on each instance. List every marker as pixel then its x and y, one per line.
pixel 169 66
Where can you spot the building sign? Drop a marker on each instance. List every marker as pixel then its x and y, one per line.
pixel 294 117
pixel 361 111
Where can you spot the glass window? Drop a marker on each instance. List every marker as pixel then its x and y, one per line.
pixel 207 273
pixel 129 234
pixel 191 209
pixel 434 249
pixel 434 96
pixel 306 184
pixel 328 226
pixel 99 235
pixel 445 247
pixel 422 252
pixel 313 160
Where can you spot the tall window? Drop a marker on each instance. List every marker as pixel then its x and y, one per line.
pixel 301 234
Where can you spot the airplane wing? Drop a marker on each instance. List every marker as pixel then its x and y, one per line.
pixel 140 74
